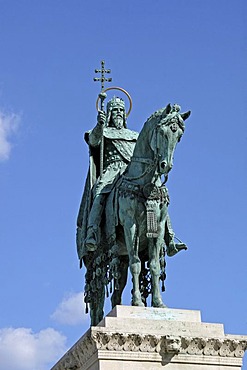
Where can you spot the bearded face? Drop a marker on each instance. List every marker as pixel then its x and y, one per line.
pixel 117 117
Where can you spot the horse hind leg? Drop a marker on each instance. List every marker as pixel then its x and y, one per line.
pixel 97 307
pixel 116 298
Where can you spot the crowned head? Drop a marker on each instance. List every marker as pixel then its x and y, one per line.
pixel 116 114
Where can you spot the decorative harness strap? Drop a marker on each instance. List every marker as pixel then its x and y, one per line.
pixel 149 193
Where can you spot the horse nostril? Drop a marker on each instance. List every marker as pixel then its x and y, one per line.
pixel 163 165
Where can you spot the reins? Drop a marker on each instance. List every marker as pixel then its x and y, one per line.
pixel 152 164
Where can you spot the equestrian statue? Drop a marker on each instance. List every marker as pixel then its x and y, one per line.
pixel 123 222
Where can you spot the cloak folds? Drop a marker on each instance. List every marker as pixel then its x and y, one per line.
pixel 124 142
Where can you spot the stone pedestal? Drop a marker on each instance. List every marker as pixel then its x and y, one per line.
pixel 155 338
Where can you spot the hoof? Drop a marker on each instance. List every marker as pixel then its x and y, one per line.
pixel 137 302
pixel 158 304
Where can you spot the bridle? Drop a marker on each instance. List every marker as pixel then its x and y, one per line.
pixel 152 163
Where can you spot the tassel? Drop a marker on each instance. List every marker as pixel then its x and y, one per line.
pixel 163 286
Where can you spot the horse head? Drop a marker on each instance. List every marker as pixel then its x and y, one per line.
pixel 168 129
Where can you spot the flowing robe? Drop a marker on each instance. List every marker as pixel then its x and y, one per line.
pixel 123 140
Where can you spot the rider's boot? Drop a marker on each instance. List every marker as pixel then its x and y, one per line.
pixel 94 219
pixel 174 248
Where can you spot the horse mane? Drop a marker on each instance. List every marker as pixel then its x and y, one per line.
pixel 158 114
pixel 161 117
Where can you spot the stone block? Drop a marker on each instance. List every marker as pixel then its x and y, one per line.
pixel 152 339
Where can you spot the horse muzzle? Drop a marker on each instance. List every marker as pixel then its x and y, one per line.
pixel 165 167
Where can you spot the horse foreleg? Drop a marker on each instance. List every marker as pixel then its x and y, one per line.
pixel 135 269
pixel 132 243
pixel 154 265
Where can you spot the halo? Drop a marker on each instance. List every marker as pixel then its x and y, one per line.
pixel 120 89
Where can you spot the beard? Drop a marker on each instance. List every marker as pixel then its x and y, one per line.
pixel 118 122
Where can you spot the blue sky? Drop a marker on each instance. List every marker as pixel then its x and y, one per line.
pixel 188 52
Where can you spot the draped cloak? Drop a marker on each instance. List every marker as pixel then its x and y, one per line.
pixel 124 141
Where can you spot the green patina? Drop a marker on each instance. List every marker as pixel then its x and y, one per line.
pixel 123 219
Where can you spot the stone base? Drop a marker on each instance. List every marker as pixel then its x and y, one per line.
pixel 151 338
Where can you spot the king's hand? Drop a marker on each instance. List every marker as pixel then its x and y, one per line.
pixel 101 119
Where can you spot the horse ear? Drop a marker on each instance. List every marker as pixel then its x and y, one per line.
pixel 185 115
pixel 153 141
pixel 168 108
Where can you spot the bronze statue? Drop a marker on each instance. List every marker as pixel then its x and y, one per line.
pixel 119 144
pixel 123 219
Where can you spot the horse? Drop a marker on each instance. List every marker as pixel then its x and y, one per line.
pixel 140 204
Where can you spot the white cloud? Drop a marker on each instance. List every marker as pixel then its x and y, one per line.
pixel 21 349
pixel 71 310
pixel 8 126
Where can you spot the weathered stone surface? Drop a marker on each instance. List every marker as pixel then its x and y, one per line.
pixel 139 338
pixel 155 313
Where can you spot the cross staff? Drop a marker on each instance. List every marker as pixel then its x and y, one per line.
pixel 102 97
pixel 102 79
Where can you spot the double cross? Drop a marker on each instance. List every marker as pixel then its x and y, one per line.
pixel 102 79
pixel 102 97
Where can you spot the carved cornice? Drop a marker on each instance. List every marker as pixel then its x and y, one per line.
pixel 213 347
pixel 78 355
pixel 168 344
pixel 127 342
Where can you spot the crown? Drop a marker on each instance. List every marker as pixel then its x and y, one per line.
pixel 115 101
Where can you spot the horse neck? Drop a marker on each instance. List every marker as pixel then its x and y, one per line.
pixel 143 159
